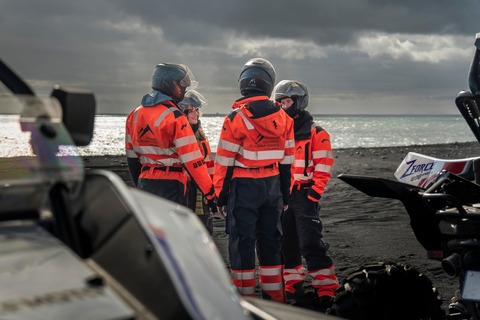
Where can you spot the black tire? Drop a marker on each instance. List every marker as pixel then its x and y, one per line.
pixel 386 291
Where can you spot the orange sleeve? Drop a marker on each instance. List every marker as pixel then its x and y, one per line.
pixel 208 157
pixel 227 149
pixel 322 157
pixel 128 140
pixel 190 155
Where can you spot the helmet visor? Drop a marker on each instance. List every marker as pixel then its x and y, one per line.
pixel 189 79
pixel 287 88
pixel 193 99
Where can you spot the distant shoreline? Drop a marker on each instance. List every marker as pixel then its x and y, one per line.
pixel 468 144
pixel 317 115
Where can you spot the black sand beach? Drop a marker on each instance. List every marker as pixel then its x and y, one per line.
pixel 360 229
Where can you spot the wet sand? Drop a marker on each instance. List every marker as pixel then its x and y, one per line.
pixel 359 229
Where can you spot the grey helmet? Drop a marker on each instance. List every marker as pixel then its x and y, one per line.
pixel 295 90
pixel 192 100
pixel 173 79
pixel 257 74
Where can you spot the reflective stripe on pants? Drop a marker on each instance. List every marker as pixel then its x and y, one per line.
pixel 294 279
pixel 244 280
pixel 271 282
pixel 324 281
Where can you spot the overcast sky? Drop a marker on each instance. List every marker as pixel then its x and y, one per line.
pixel 356 57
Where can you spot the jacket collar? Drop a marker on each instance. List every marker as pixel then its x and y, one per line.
pixel 302 126
pixel 155 97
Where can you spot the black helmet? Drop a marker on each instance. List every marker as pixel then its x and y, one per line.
pixel 257 74
pixel 173 79
pixel 295 90
pixel 192 100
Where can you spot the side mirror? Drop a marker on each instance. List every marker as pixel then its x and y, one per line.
pixel 78 113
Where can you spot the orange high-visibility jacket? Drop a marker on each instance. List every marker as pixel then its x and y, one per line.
pixel 160 135
pixel 250 140
pixel 313 159
pixel 204 147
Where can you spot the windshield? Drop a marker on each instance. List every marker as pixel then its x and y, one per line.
pixel 36 151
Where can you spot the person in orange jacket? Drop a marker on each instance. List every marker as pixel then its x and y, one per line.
pixel 302 227
pixel 253 180
pixel 190 105
pixel 159 142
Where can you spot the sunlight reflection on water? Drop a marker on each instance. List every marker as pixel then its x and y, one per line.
pixel 345 132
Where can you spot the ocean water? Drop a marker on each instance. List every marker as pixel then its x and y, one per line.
pixel 345 132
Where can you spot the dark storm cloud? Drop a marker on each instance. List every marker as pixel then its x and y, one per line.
pixel 325 22
pixel 61 35
pixel 193 22
pixel 75 44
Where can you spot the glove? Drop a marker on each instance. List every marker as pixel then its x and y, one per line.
pixel 212 203
pixel 222 211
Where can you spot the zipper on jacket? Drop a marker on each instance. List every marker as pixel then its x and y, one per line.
pixel 307 145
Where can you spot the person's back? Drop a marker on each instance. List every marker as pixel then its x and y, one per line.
pixel 253 179
pixel 254 135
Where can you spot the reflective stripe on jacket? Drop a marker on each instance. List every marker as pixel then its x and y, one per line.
pixel 314 161
pixel 257 134
pixel 207 156
pixel 160 135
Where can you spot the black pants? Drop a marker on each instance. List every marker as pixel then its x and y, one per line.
pixel 172 190
pixel 253 221
pixel 302 233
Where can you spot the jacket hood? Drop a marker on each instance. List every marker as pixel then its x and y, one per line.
pixel 266 116
pixel 155 97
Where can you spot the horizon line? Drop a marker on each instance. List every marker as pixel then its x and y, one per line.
pixel 321 115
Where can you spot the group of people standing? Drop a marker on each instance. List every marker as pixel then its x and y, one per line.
pixel 270 171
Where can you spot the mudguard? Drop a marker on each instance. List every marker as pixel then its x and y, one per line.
pixel 378 187
pixel 423 220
